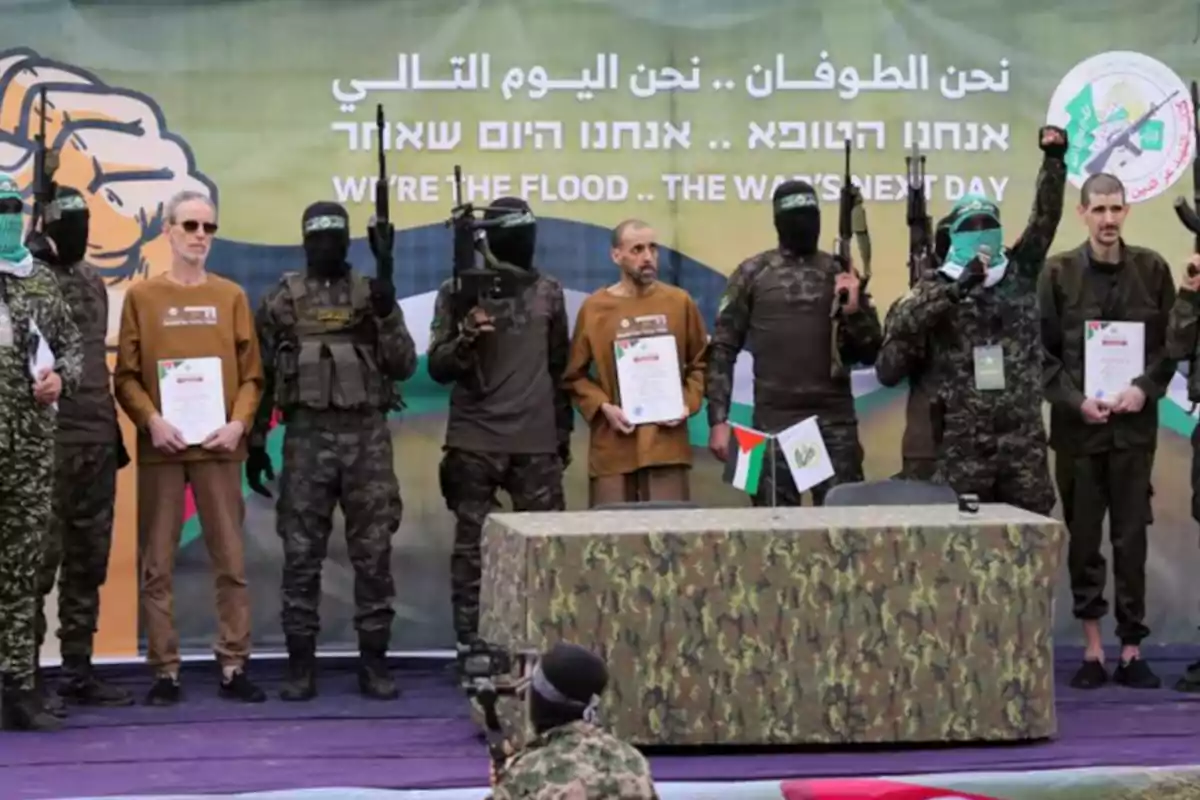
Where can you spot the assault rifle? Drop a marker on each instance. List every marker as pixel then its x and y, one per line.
pixel 1124 139
pixel 381 234
pixel 920 224
pixel 45 164
pixel 852 223
pixel 487 674
pixel 845 232
pixel 474 283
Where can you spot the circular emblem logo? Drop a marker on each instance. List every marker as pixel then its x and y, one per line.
pixel 1129 115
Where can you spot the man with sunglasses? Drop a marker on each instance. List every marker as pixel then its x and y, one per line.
pixel 189 313
pixel 977 328
pixel 33 315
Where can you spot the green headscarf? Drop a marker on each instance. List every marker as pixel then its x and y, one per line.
pixel 12 226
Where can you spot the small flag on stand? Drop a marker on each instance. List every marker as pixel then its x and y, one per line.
pixel 746 459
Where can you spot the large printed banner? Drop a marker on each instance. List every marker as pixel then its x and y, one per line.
pixel 684 115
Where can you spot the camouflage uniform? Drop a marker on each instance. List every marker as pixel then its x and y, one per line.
pixel 776 305
pixel 89 453
pixel 918 451
pixel 990 443
pixel 27 464
pixel 510 420
pixel 331 364
pixel 580 761
pixel 1105 468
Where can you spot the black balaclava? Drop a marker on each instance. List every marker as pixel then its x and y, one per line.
pixel 797 217
pixel 326 229
pixel 512 241
pixel 67 224
pixel 566 687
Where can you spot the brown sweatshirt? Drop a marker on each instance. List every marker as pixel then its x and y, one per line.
pixel 163 320
pixel 591 375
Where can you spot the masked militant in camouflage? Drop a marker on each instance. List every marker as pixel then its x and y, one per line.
pixel 334 345
pixel 510 419
pixel 1104 443
pixel 833 619
pixel 89 453
pixel 776 302
pixel 31 307
pixel 572 755
pixel 975 328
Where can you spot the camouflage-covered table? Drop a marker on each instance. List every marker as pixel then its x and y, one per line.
pixel 791 626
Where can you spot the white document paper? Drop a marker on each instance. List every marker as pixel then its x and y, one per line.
pixel 1114 353
pixel 807 458
pixel 649 379
pixel 192 392
pixel 42 357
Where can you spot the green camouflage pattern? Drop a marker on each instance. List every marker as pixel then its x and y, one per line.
pixel 844 624
pixel 577 761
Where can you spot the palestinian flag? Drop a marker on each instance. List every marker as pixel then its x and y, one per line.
pixel 744 466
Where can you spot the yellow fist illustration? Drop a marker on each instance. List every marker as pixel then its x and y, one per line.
pixel 113 147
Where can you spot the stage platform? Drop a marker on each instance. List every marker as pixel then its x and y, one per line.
pixel 344 747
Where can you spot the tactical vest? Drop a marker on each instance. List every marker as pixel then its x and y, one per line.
pixel 326 357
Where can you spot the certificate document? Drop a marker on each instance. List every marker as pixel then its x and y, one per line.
pixel 41 356
pixel 649 379
pixel 1114 353
pixel 192 392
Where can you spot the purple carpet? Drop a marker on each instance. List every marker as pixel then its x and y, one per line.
pixel 425 740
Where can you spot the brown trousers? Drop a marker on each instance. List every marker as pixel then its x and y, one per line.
pixel 646 484
pixel 217 487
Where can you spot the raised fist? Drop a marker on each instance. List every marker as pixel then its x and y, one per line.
pixel 1053 141
pixel 114 147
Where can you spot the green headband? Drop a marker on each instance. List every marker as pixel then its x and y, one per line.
pixel 329 222
pixel 790 202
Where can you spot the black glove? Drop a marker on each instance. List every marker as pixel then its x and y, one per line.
pixel 383 297
pixel 123 459
pixel 1055 149
pixel 258 463
pixel 564 453
pixel 973 275
pixel 375 239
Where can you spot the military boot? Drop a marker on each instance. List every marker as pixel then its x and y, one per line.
pixel 22 710
pixel 301 683
pixel 373 678
pixel 80 685
pixel 50 700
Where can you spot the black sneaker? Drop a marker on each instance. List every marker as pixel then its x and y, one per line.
pixel 1136 674
pixel 166 691
pixel 239 687
pixel 1092 675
